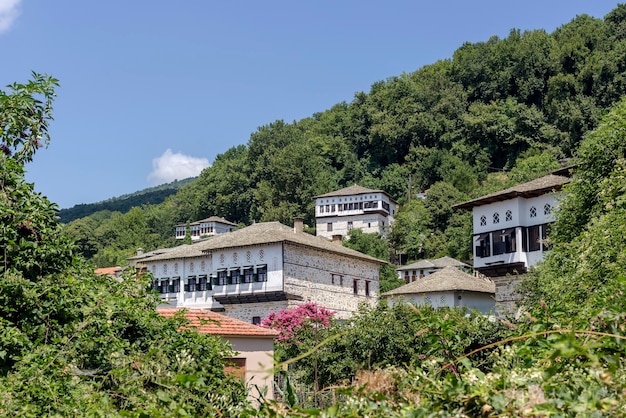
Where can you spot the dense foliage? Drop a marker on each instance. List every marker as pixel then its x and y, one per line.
pixel 497 112
pixel 73 343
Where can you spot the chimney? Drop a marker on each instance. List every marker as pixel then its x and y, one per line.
pixel 139 251
pixel 337 238
pixel 298 225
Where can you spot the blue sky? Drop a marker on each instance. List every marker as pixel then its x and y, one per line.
pixel 152 91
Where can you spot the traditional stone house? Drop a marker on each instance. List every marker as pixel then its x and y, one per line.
pixel 422 268
pixel 253 345
pixel 205 228
pixel 447 287
pixel 336 213
pixel 262 268
pixel 510 228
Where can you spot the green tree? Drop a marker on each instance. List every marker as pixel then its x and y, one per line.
pixel 588 254
pixel 72 343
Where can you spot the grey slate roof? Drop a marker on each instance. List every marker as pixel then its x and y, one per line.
pixel 258 234
pixel 446 279
pixel 148 254
pixel 433 264
pixel 352 190
pixel 532 188
pixel 210 219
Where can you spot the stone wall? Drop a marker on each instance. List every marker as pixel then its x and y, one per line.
pixel 247 311
pixel 506 295
pixel 328 279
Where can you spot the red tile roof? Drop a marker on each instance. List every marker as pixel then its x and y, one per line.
pixel 111 271
pixel 209 322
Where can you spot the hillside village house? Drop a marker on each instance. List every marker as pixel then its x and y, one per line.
pixel 510 227
pixel 262 268
pixel 253 346
pixel 336 213
pixel 448 287
pixel 205 228
pixel 422 268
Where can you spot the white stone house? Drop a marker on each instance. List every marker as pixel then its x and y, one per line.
pixel 422 268
pixel 205 228
pixel 336 213
pixel 262 268
pixel 510 226
pixel 448 287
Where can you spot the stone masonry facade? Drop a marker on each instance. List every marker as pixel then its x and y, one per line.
pixel 330 280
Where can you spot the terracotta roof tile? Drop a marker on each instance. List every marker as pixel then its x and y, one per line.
pixel 209 322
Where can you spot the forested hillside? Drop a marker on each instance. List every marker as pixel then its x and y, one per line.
pixel 497 112
pixel 124 203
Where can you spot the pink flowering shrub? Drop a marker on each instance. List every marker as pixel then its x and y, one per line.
pixel 289 321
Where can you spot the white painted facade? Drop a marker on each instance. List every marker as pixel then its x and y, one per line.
pixel 512 231
pixel 482 302
pixel 511 226
pixel 249 282
pixel 371 211
pixel 205 228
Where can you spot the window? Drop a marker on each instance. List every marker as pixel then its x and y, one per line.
pixel 176 285
pixel 164 286
pixel 355 286
pixel 545 231
pixel 533 238
pixel 533 212
pixel 547 209
pixel 235 367
pixel 329 227
pixel 220 280
pixel 256 320
pixel 483 249
pixel 202 284
pixel 367 288
pixel 504 241
pixel 483 220
pixel 350 225
pixel 496 218
pixel 508 216
pixel 261 274
pixel 234 277
pixel 191 284
pixel 248 274
pixel 442 300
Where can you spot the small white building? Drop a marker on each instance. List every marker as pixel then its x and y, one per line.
pixel 510 226
pixel 448 287
pixel 336 213
pixel 422 268
pixel 205 228
pixel 262 268
pixel 253 347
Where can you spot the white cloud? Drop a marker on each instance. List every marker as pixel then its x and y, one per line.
pixel 9 11
pixel 169 167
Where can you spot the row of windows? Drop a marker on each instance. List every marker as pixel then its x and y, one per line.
pixel 338 279
pixel 202 283
pixel 504 241
pixel 352 206
pixel 508 216
pixel 345 199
